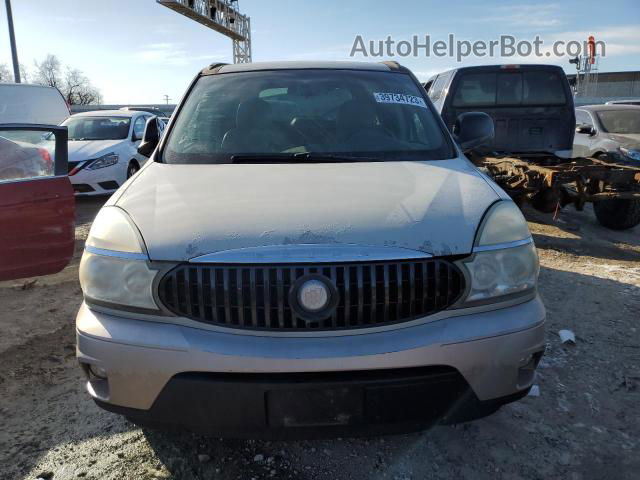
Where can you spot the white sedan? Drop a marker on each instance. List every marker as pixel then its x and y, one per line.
pixel 103 149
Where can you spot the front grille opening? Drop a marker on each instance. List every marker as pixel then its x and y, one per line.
pixel 257 296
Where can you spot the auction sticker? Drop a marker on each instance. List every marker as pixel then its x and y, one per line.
pixel 400 98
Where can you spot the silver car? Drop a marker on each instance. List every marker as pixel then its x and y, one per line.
pixel 608 131
pixel 307 253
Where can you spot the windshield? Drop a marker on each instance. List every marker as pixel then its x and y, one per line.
pixel 377 115
pixel 97 128
pixel 620 121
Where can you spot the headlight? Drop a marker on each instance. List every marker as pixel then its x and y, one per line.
pixel 630 153
pixel 115 268
pixel 504 261
pixel 104 161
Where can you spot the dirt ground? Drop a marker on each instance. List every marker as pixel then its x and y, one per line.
pixel 584 425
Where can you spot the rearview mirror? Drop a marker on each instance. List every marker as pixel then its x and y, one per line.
pixel 472 130
pixel 585 129
pixel 150 139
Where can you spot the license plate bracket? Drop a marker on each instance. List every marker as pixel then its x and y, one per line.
pixel 315 407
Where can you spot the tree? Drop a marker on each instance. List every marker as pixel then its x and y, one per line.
pixel 6 73
pixel 48 72
pixel 78 90
pixel 73 84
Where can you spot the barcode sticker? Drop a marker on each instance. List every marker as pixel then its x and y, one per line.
pixel 400 98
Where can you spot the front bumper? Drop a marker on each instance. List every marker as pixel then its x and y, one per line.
pixel 98 182
pixel 233 384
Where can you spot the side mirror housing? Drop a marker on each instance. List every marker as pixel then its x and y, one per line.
pixel 473 130
pixel 585 129
pixel 150 139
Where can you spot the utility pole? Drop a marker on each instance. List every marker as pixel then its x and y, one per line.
pixel 166 99
pixel 12 39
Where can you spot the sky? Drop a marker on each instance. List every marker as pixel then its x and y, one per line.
pixel 137 51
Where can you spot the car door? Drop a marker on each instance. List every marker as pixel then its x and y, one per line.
pixel 37 205
pixel 583 140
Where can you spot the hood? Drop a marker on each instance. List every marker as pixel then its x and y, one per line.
pixel 628 140
pixel 186 211
pixel 90 149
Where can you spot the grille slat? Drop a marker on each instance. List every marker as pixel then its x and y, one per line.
pixel 280 285
pixel 254 307
pixel 398 291
pixel 334 279
pixel 200 285
pixel 412 287
pixel 213 295
pixel 266 289
pixel 187 292
pixel 360 294
pixel 347 295
pixel 239 297
pixel 374 294
pixel 227 297
pixel 386 293
pixel 257 296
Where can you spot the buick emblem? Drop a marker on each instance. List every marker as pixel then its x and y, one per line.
pixel 313 295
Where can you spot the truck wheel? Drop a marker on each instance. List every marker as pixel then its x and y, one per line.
pixel 618 214
pixel 545 201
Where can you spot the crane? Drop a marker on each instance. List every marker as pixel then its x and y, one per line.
pixel 223 17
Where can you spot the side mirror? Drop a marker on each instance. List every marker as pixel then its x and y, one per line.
pixel 472 130
pixel 150 139
pixel 585 129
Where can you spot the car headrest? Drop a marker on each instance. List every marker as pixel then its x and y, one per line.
pixel 356 114
pixel 252 113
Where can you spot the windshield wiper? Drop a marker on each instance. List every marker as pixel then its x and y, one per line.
pixel 303 157
pixel 335 157
pixel 262 158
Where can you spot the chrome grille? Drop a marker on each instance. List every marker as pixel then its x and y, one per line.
pixel 257 296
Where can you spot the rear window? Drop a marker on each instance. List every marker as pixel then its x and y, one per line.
pixel 509 89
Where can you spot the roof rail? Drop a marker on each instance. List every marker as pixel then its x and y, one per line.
pixel 393 65
pixel 213 68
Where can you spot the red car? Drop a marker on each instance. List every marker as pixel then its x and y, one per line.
pixel 37 206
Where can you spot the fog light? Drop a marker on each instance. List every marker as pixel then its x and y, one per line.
pixel 525 361
pixel 98 371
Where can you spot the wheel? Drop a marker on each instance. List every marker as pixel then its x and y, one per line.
pixel 545 201
pixel 618 214
pixel 132 169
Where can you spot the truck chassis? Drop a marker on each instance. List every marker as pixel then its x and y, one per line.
pixel 550 183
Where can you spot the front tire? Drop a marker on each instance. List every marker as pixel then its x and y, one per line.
pixel 618 214
pixel 132 169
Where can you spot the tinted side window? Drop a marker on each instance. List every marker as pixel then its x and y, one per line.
pixel 138 126
pixel 475 89
pixel 583 118
pixel 437 88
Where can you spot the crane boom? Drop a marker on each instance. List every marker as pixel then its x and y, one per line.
pixel 221 16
